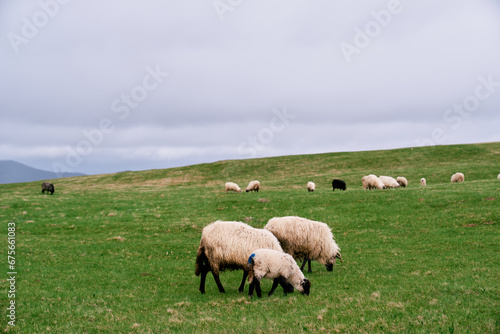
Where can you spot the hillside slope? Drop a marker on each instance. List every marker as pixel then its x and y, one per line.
pixel 436 164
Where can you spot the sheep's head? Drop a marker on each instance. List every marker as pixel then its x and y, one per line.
pixel 306 287
pixel 332 260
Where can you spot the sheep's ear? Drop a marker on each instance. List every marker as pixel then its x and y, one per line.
pixel 338 256
pixel 306 286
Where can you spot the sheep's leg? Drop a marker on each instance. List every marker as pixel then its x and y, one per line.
pixel 242 285
pixel 303 264
pixel 217 281
pixel 287 287
pixel 255 284
pixel 258 290
pixel 202 282
pixel 308 260
pixel 275 285
pixel 251 288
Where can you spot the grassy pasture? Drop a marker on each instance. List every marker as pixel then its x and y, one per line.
pixel 116 253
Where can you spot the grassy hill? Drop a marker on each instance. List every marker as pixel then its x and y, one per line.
pixel 116 253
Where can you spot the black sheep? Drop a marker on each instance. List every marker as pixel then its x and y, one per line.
pixel 338 184
pixel 47 186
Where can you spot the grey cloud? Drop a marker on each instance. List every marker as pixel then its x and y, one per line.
pixel 227 76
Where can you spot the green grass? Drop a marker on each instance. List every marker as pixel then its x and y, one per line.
pixel 116 253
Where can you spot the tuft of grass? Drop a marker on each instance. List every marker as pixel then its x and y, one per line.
pixel 116 253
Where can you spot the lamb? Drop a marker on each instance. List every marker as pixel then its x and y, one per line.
pixel 338 184
pixel 423 183
pixel 47 186
pixel 457 177
pixel 227 245
pixel 372 181
pixel 403 182
pixel 253 186
pixel 231 186
pixel 304 238
pixel 389 182
pixel 278 266
pixel 311 186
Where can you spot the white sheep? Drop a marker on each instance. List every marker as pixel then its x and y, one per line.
pixel 231 186
pixel 457 177
pixel 227 245
pixel 403 182
pixel 311 186
pixel 498 177
pixel 423 183
pixel 278 266
pixel 304 238
pixel 389 182
pixel 253 186
pixel 371 181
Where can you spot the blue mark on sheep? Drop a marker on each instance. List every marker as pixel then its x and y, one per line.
pixel 251 258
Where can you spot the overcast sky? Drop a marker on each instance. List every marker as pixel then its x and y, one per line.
pixel 105 86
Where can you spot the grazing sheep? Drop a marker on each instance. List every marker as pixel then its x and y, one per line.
pixel 389 182
pixel 278 266
pixel 338 184
pixel 47 186
pixel 498 177
pixel 231 186
pixel 253 186
pixel 372 181
pixel 403 182
pixel 457 177
pixel 423 183
pixel 311 186
pixel 304 238
pixel 227 245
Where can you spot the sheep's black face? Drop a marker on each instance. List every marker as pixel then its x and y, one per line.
pixel 329 266
pixel 306 286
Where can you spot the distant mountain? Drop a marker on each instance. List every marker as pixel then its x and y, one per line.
pixel 15 172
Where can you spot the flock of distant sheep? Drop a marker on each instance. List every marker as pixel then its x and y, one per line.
pixel 383 182
pixel 369 182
